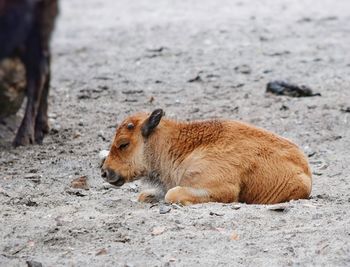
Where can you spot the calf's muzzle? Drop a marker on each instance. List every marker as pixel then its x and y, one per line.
pixel 112 177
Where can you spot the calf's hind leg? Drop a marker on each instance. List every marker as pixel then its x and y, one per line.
pixel 187 195
pixel 190 195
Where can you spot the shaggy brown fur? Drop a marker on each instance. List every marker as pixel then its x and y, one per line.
pixel 218 160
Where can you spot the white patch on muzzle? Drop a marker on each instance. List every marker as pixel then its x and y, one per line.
pixel 102 156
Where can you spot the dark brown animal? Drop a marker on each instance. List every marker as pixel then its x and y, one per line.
pixel 195 162
pixel 25 31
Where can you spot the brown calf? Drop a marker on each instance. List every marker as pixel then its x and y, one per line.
pixel 196 162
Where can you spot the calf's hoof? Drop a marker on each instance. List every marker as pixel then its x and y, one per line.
pixel 151 195
pixel 147 197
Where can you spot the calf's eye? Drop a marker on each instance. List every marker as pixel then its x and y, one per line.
pixel 130 126
pixel 123 146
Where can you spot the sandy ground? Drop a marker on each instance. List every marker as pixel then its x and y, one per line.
pixel 107 63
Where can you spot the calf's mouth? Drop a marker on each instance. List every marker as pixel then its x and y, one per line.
pixel 120 182
pixel 112 177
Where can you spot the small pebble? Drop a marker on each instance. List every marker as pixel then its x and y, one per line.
pixel 163 209
pixel 280 208
pixel 216 214
pixel 244 69
pixel 234 236
pixel 34 264
pixel 158 230
pixel 55 128
pixel 101 135
pixel 80 183
pixel 102 251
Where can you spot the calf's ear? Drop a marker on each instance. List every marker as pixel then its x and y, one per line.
pixel 151 122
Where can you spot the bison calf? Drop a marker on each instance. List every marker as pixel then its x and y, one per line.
pixel 196 162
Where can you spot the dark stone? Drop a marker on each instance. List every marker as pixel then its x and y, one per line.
pixel 34 264
pixel 289 89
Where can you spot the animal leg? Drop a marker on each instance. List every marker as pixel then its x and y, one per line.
pixel 36 62
pixel 150 195
pixel 41 122
pixel 187 195
pixel 191 195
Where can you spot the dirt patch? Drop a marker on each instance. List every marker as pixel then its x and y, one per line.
pixel 111 58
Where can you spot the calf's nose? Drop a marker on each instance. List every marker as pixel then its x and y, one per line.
pixel 103 173
pixel 112 177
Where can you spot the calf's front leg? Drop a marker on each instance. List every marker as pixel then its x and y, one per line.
pixel 150 195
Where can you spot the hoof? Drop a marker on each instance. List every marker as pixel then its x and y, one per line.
pixel 41 129
pixel 23 138
pixel 147 197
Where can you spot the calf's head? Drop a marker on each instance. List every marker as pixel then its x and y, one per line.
pixel 125 161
